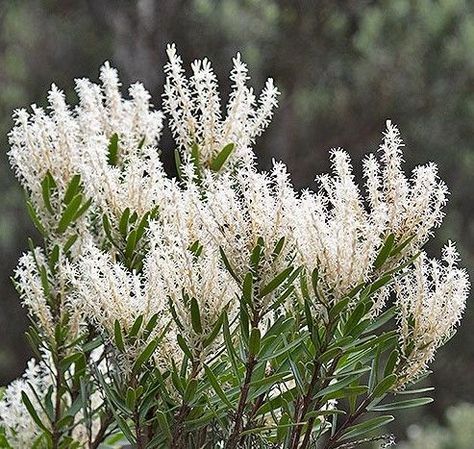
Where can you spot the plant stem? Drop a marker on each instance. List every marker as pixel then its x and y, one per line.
pixel 332 443
pixel 100 436
pixel 235 435
pixel 178 432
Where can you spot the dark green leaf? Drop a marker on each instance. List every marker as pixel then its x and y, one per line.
pixel 113 150
pixel 366 427
pixel 216 386
pixel 384 253
pixel 400 405
pixel 145 355
pixel 196 316
pixel 221 158
pixel 69 213
pixel 384 385
pixel 118 336
pixel 276 281
pixel 72 189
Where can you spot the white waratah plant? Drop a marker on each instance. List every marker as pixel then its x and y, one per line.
pixel 222 308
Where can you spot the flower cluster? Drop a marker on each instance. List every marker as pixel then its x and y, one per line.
pixel 149 268
pixel 431 300
pixel 194 109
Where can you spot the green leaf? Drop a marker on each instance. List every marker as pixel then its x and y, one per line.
pixel 278 248
pixel 152 322
pixel 66 362
pixel 229 345
pixel 177 160
pixel 216 386
pixel 366 427
pixel 276 281
pixel 46 190
pixel 183 345
pixel 131 398
pixel 315 280
pixel 247 288
pixel 72 189
pixel 399 248
pixel 31 410
pixel 130 245
pixel 339 307
pixel 195 160
pixel 385 251
pixel 215 330
pixel 354 318
pixel 34 218
pixel 196 316
pixel 416 391
pixel 190 391
pixel 69 213
pixel 400 405
pixel 228 265
pixel 136 327
pixel 379 283
pixel 113 150
pixel 221 158
pixel 391 363
pixel 123 223
pixel 163 423
pixel 118 336
pixel 125 428
pixel 384 385
pixel 254 341
pixel 330 354
pixel 338 385
pixel 145 355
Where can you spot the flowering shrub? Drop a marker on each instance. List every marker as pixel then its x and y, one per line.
pixel 222 309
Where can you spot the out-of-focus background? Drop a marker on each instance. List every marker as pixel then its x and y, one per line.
pixel 343 68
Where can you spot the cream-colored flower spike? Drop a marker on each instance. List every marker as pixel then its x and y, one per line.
pixel 430 299
pixel 66 141
pixel 194 109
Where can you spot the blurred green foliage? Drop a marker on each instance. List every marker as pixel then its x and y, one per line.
pixel 456 433
pixel 343 67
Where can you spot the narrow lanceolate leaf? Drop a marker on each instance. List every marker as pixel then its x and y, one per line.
pixel 368 426
pixel 216 386
pixel 384 385
pixel 123 223
pixel 215 330
pixel 46 190
pixel 228 265
pixel 136 327
pixel 247 288
pixel 69 213
pixel 118 336
pixel 145 355
pixel 254 341
pixel 385 251
pixel 34 218
pixel 185 348
pixel 177 160
pixel 72 189
pixel 163 423
pixel 222 157
pixel 400 405
pixel 113 150
pixel 31 410
pixel 190 391
pixel 391 362
pixel 276 281
pixel 196 316
pixel 399 248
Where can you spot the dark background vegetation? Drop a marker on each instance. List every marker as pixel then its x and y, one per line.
pixel 343 67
